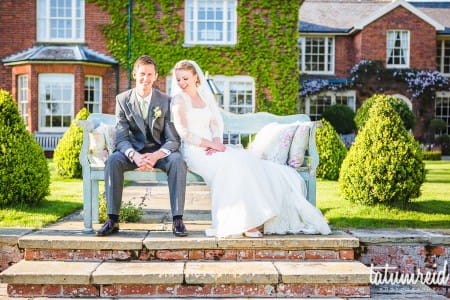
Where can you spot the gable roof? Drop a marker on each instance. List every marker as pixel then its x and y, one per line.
pixel 342 16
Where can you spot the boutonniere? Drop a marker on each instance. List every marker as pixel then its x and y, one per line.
pixel 157 112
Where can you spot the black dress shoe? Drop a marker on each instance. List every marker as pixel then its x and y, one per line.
pixel 178 228
pixel 108 228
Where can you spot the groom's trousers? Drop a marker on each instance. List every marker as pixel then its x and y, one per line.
pixel 117 163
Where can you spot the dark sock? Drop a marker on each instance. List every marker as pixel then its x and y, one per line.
pixel 179 217
pixel 114 218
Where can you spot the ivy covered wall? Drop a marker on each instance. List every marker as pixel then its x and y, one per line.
pixel 267 47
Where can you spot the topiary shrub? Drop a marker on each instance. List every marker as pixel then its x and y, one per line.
pixel 24 174
pixel 341 117
pixel 384 165
pixel 407 116
pixel 331 151
pixel 66 155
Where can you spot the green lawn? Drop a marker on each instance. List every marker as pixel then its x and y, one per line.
pixel 65 197
pixel 430 210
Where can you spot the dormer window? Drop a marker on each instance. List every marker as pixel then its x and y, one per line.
pixel 397 49
pixel 60 21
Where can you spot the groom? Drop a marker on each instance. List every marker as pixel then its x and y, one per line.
pixel 145 139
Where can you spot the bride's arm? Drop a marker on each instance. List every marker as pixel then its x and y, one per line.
pixel 179 113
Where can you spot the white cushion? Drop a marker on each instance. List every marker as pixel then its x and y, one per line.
pixel 299 145
pixel 101 144
pixel 273 142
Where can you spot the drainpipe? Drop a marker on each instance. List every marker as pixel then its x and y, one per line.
pixel 130 6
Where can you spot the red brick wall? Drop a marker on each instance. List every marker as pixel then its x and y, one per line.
pixel 344 60
pixel 422 38
pixel 17 33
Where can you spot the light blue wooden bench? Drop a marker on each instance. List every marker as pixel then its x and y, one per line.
pixel 235 127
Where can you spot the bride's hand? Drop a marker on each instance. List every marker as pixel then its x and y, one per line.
pixel 218 146
pixel 210 151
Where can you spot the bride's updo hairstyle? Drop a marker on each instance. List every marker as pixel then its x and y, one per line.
pixel 187 66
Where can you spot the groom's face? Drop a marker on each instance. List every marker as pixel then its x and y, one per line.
pixel 145 76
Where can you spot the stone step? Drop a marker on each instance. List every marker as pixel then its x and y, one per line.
pixel 187 279
pixel 162 245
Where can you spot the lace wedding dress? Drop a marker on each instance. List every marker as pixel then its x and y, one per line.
pixel 245 190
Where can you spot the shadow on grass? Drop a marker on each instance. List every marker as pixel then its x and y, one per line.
pixel 361 222
pixel 46 207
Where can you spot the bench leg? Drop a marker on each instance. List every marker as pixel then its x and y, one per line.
pixel 87 196
pixel 94 202
pixel 312 190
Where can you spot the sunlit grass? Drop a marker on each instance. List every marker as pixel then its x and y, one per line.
pixel 430 210
pixel 65 197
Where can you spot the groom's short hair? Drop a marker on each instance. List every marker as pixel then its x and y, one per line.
pixel 144 60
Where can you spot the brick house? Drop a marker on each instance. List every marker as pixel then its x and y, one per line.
pixel 337 34
pixel 54 60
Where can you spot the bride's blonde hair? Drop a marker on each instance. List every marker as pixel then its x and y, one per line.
pixel 186 65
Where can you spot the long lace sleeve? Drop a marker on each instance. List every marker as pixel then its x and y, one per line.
pixel 179 113
pixel 216 124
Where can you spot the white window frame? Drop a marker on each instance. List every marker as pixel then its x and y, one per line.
pixel 53 80
pixel 95 102
pixel 226 23
pixel 327 55
pixel 390 48
pixel 441 49
pixel 333 95
pixel 446 114
pixel 43 30
pixel 22 96
pixel 224 83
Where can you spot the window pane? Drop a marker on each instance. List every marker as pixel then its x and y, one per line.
pixel 442 111
pixel 92 93
pixel 55 101
pixel 214 21
pixel 397 51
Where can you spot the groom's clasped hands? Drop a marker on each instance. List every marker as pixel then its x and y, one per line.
pixel 147 161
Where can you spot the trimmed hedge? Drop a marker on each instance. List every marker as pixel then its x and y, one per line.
pixel 407 116
pixel 341 117
pixel 24 174
pixel 432 155
pixel 331 151
pixel 384 165
pixel 67 153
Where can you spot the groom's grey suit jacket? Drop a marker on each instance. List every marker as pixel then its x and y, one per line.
pixel 131 129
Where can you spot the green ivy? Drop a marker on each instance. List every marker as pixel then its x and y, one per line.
pixel 267 47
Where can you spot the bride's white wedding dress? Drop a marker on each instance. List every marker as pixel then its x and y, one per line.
pixel 245 190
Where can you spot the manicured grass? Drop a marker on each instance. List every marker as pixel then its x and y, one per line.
pixel 430 210
pixel 65 197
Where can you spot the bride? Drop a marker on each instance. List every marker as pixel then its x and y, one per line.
pixel 246 192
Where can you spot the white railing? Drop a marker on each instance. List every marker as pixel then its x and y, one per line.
pixel 48 141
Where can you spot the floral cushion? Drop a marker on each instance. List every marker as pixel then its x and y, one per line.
pixel 101 144
pixel 273 142
pixel 299 145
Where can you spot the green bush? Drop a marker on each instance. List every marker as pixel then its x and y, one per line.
pixel 400 106
pixel 432 155
pixel 129 213
pixel 66 155
pixel 384 165
pixel 341 117
pixel 24 174
pixel 331 151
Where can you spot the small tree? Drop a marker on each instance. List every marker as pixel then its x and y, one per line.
pixel 331 151
pixel 407 116
pixel 341 117
pixel 384 165
pixel 66 156
pixel 24 174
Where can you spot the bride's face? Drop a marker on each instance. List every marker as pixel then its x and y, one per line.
pixel 186 80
